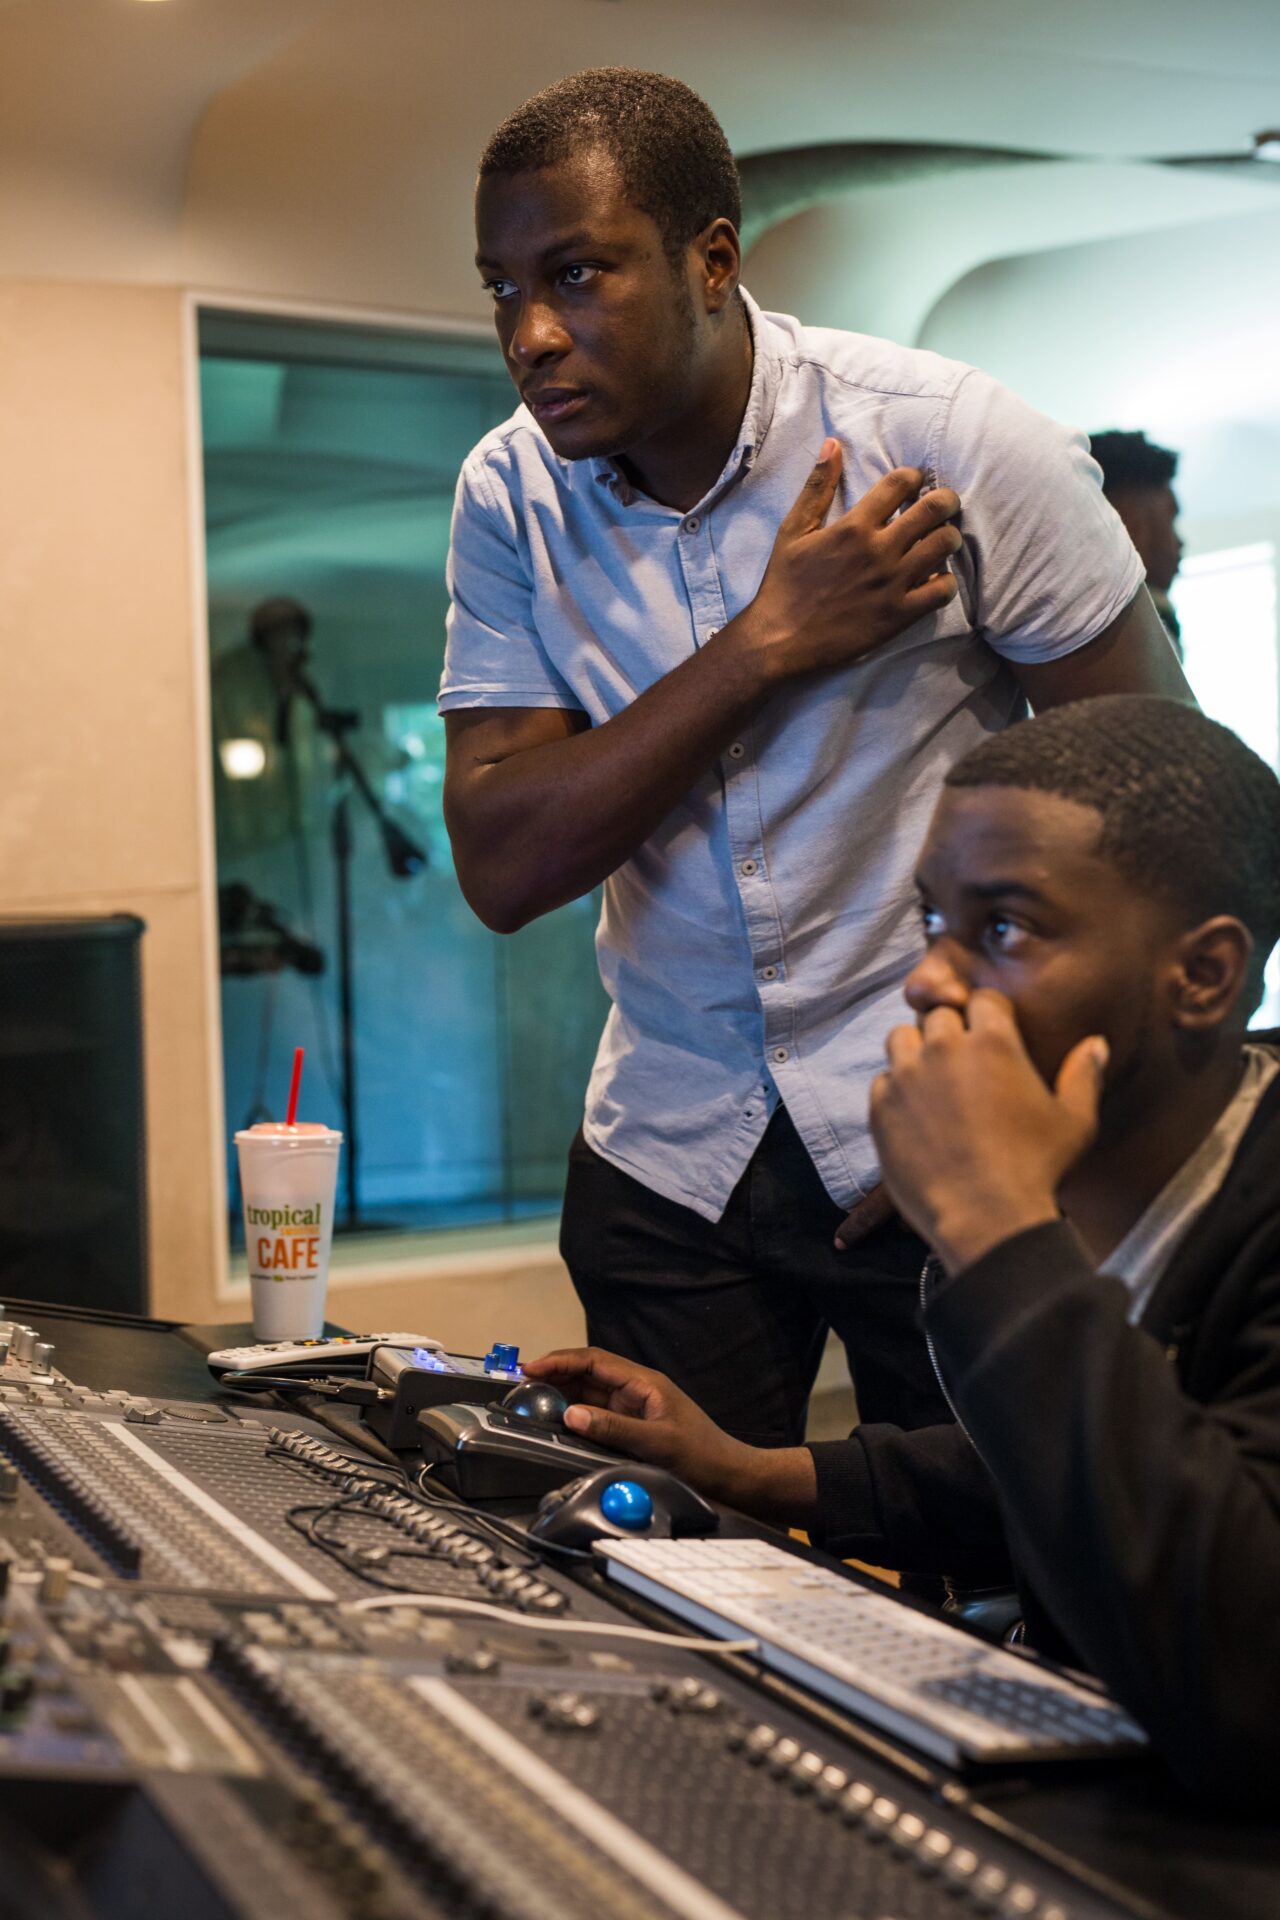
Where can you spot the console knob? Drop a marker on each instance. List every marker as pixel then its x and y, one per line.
pixel 56 1584
pixel 625 1503
pixel 502 1359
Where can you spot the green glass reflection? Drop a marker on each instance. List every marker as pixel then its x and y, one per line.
pixel 331 457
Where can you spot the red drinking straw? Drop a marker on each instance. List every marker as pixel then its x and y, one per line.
pixel 294 1084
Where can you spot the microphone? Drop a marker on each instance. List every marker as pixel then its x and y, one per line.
pixel 281 630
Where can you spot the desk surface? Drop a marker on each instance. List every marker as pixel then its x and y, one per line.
pixel 1129 1825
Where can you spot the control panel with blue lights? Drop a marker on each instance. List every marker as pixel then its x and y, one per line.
pixel 500 1363
pixel 420 1376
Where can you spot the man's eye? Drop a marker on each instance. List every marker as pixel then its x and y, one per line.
pixel 578 274
pixel 931 921
pixel 500 289
pixel 1005 934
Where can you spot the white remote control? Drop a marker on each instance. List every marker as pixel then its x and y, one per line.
pixel 344 1353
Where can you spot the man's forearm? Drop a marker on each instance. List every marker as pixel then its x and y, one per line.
pixel 543 825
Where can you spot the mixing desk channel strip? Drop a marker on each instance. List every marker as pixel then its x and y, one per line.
pixel 244 1536
pixel 155 1699
pixel 675 1888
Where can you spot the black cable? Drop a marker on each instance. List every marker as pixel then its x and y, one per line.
pixel 481 1526
pixel 510 1532
pixel 354 1500
pixel 353 1393
pixel 490 1529
pixel 307 1519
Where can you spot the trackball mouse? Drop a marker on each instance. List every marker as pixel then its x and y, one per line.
pixel 626 1502
pixel 535 1404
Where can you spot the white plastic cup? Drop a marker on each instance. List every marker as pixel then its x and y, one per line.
pixel 288 1178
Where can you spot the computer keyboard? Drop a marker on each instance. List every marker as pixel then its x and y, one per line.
pixel 930 1684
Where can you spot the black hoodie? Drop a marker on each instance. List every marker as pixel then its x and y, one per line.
pixel 1129 1476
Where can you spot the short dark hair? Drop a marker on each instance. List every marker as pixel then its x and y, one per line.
pixel 670 149
pixel 1130 461
pixel 1189 813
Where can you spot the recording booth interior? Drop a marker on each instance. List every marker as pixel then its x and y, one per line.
pixel 349 1636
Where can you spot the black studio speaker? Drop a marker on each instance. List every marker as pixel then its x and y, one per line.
pixel 73 1224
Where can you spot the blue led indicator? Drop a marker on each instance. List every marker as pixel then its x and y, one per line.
pixel 431 1361
pixel 502 1359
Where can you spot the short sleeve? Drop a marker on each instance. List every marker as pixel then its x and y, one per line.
pixel 1047 561
pixel 493 656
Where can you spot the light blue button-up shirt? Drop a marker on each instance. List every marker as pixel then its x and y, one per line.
pixel 755 945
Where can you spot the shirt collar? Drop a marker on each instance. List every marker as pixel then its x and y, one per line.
pixel 766 373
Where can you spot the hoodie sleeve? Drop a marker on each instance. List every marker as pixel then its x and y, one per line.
pixel 920 1502
pixel 1147 1523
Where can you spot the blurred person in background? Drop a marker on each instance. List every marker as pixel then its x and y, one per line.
pixel 1137 478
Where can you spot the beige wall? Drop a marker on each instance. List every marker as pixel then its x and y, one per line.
pixel 104 803
pixel 101 729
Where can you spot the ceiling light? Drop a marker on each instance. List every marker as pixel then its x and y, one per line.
pixel 1266 146
pixel 242 759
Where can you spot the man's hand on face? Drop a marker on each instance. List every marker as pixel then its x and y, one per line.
pixel 973 1145
pixel 631 1409
pixel 831 594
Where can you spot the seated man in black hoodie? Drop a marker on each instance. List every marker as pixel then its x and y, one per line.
pixel 1079 1126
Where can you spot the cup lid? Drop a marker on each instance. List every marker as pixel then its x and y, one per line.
pixel 298 1135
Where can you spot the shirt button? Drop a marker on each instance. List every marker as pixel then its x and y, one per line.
pixel 768 973
pixel 692 524
pixel 781 1055
pixel 747 868
pixel 737 750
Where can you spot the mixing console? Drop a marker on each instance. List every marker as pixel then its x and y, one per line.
pixel 648 1789
pixel 199 1717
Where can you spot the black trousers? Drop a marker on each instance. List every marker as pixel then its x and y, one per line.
pixel 736 1311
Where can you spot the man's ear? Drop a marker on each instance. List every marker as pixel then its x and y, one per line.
pixel 1210 972
pixel 719 261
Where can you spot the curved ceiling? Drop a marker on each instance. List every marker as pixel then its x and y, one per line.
pixel 878 259
pixel 324 149
pixel 1174 331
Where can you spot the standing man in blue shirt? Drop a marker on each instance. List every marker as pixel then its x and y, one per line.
pixel 729 596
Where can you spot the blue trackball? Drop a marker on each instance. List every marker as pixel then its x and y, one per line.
pixel 627 1504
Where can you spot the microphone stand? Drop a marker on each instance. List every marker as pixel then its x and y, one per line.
pixel 405 858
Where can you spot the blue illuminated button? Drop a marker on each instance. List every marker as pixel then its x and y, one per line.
pixel 429 1361
pixel 500 1359
pixel 627 1504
